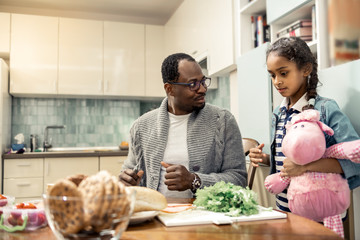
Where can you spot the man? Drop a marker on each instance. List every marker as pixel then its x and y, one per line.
pixel 185 144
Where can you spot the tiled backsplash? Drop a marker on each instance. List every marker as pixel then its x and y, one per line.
pixel 220 96
pixel 89 122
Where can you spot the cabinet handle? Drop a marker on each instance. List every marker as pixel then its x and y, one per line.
pixel 24 164
pixel 23 184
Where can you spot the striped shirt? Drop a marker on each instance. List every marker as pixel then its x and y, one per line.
pixel 285 116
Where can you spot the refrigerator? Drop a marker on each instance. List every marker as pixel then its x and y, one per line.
pixel 5 113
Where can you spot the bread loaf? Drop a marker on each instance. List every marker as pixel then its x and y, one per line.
pixel 148 199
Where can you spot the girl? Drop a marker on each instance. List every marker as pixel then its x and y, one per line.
pixel 293 71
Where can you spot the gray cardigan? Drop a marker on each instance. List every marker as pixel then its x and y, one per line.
pixel 214 145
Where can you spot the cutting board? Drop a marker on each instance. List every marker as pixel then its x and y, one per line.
pixel 198 216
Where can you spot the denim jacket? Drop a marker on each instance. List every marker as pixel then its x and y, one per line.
pixel 331 115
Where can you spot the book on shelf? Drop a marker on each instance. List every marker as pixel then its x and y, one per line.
pixel 301 28
pixel 313 22
pixel 260 30
pixel 253 31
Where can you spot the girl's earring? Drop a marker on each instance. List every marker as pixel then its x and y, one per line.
pixel 308 79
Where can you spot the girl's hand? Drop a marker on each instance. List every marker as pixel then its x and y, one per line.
pixel 256 155
pixel 290 169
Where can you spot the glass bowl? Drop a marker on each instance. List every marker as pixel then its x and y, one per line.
pixel 69 218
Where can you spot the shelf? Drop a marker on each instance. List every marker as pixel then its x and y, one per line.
pixel 303 12
pixel 293 11
pixel 255 7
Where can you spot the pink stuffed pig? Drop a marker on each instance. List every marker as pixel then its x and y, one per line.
pixel 318 196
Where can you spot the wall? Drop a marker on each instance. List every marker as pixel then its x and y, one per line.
pixel 89 122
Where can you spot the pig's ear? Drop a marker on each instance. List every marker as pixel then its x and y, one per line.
pixel 325 128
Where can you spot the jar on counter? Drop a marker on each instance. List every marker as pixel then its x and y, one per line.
pixel 32 142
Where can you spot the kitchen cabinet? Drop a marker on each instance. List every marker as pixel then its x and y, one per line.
pixel 34 54
pixel 4 35
pixel 188 34
pixel 220 16
pixel 154 56
pixel 27 178
pixel 77 57
pixel 112 164
pixel 58 168
pixel 23 178
pixel 80 57
pixel 124 59
pixel 207 33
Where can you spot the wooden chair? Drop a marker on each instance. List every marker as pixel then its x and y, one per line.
pixel 247 144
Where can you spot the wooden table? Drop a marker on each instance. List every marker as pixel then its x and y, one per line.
pixel 292 228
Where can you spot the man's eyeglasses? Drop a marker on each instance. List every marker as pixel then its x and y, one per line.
pixel 194 86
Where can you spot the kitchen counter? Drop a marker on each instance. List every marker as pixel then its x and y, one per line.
pixel 61 154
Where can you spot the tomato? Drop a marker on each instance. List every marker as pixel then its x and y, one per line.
pixel 15 221
pixel 41 219
pixel 2 197
pixel 25 205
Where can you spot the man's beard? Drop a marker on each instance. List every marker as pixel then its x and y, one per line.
pixel 197 109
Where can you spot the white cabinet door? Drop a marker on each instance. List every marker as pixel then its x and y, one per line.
pixel 23 168
pixel 154 56
pixel 23 187
pixel 208 32
pixel 4 35
pixel 34 54
pixel 188 28
pixel 220 35
pixel 58 168
pixel 112 164
pixel 124 59
pixel 23 178
pixel 80 57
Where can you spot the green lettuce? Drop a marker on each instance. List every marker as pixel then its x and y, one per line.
pixel 228 198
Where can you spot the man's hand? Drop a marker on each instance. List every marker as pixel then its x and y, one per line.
pixel 177 177
pixel 130 177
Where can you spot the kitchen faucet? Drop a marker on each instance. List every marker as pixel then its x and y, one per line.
pixel 47 143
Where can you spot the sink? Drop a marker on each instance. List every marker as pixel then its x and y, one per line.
pixel 70 149
pixel 77 150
